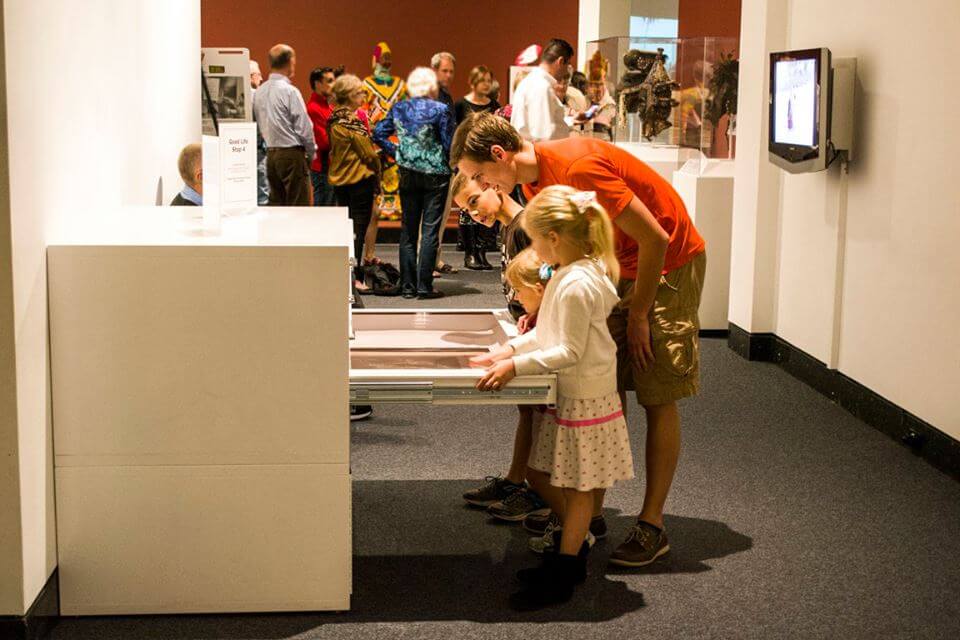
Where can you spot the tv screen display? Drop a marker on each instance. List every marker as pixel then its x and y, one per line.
pixel 795 102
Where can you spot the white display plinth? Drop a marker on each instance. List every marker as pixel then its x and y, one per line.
pixel 664 159
pixel 200 409
pixel 707 192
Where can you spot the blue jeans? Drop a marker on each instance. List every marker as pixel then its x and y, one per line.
pixel 422 198
pixel 263 186
pixel 323 193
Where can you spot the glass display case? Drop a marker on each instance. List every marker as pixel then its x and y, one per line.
pixel 665 92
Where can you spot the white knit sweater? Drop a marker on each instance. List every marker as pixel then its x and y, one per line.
pixel 571 336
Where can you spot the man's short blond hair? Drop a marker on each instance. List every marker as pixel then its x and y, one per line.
pixel 478 133
pixel 188 163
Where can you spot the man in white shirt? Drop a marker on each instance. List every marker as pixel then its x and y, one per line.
pixel 537 112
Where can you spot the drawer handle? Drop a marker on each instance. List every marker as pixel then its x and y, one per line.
pixel 394 392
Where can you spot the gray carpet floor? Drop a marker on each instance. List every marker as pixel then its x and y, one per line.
pixel 789 519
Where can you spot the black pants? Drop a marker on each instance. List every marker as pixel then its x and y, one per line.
pixel 422 198
pixel 358 199
pixel 289 176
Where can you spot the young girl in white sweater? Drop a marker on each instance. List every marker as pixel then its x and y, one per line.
pixel 582 445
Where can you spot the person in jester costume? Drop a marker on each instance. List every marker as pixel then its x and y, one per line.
pixel 383 91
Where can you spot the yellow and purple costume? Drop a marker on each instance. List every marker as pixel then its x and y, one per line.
pixel 383 91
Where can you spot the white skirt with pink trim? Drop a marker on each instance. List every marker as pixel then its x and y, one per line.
pixel 583 444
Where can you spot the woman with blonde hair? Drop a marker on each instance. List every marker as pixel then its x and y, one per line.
pixel 581 448
pixel 354 169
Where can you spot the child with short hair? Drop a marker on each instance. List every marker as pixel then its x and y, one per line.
pixel 527 278
pixel 488 207
pixel 505 498
pixel 582 446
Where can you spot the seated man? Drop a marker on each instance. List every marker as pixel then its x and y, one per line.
pixel 191 170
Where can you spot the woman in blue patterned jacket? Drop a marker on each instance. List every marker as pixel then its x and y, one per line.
pixel 424 128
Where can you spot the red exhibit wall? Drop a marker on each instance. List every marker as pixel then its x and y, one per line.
pixel 709 18
pixel 329 33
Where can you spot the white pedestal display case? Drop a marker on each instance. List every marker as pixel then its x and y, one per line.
pixel 664 159
pixel 200 411
pixel 201 387
pixel 707 191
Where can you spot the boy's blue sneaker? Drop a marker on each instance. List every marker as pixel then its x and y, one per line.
pixel 495 489
pixel 518 505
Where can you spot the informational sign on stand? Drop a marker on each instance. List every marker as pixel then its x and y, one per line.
pixel 229 173
pixel 238 167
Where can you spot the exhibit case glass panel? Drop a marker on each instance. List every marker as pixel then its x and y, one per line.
pixel 666 92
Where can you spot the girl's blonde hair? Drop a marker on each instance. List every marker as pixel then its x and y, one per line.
pixel 524 269
pixel 576 216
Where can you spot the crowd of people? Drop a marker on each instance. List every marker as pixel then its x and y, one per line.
pixel 308 157
pixel 601 267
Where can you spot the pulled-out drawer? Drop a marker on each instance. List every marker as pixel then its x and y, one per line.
pixel 422 357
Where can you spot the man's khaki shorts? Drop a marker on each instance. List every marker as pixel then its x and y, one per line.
pixel 675 326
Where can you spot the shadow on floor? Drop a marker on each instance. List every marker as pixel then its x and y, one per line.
pixel 452 287
pixel 468 587
pixel 421 557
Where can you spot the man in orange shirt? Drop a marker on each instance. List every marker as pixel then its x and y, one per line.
pixel 662 264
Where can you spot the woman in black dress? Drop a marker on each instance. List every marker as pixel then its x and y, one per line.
pixel 478 100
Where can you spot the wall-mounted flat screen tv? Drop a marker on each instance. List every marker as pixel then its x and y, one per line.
pixel 800 109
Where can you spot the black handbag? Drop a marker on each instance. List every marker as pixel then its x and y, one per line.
pixel 383 279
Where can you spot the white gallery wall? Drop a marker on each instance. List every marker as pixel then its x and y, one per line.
pixel 100 97
pixel 600 19
pixel 11 557
pixel 875 293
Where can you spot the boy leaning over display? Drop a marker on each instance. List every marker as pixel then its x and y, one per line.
pixel 662 261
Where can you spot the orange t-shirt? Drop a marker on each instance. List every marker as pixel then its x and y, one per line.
pixel 617 176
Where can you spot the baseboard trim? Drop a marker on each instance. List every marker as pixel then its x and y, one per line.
pixel 714 333
pixel 39 619
pixel 924 439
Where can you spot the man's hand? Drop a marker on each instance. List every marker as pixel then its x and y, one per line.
pixel 497 376
pixel 639 339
